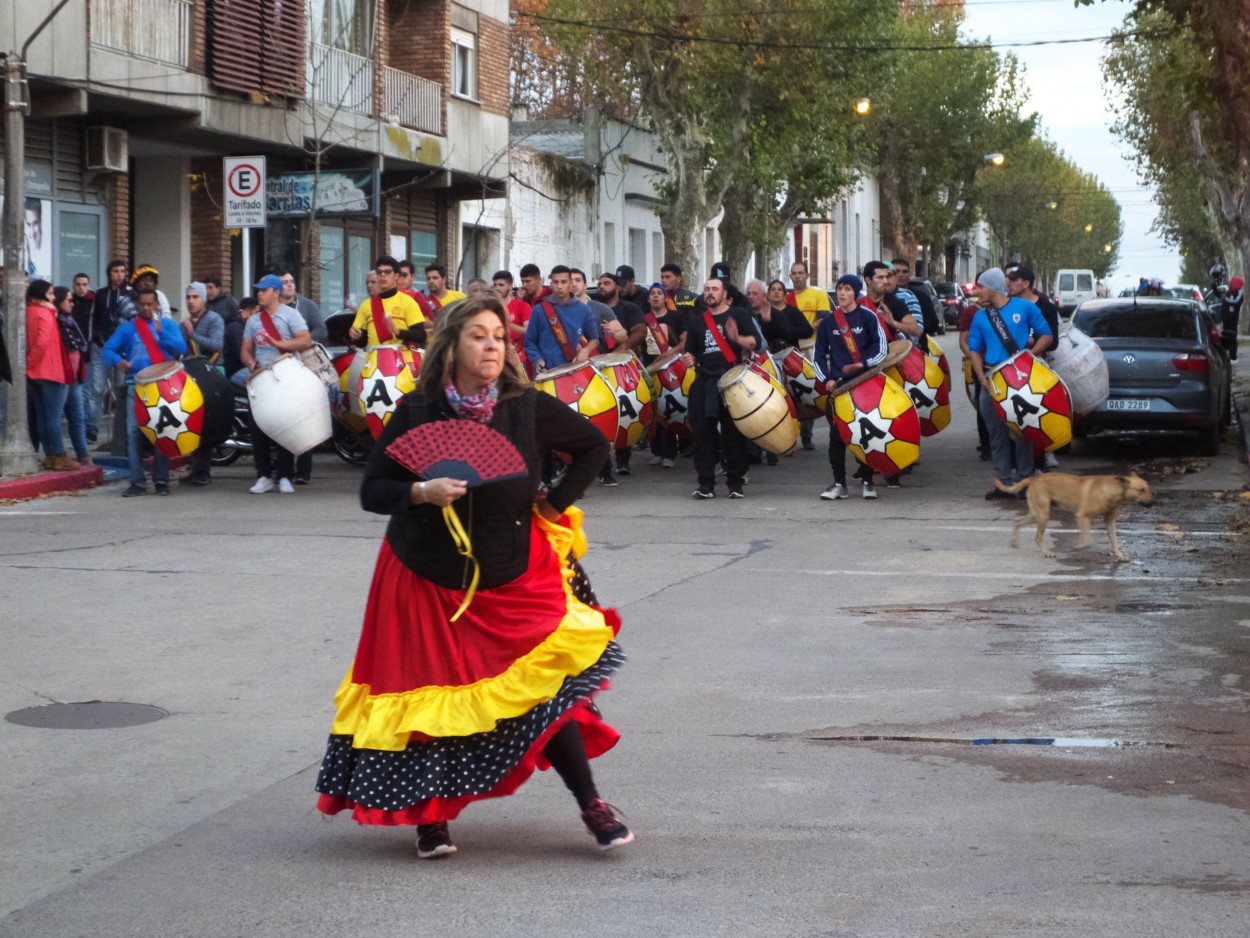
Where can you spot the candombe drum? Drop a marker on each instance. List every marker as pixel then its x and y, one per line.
pixel 804 381
pixel 764 364
pixel 586 391
pixel 934 351
pixel 1079 361
pixel 349 365
pixel 672 404
pixel 623 373
pixel 1033 401
pixel 180 405
pixel 878 423
pixel 970 381
pixel 389 372
pixel 760 407
pixel 922 380
pixel 289 405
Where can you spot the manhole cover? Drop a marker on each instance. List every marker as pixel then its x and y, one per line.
pixel 86 715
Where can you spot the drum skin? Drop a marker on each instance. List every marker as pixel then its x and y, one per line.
pixel 173 411
pixel 921 379
pixel 389 372
pixel 672 406
pixel 585 391
pixel 1032 400
pixel 623 373
pixel 290 405
pixel 760 407
pixel 878 423
pixel 804 381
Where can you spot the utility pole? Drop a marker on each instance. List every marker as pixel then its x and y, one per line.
pixel 17 456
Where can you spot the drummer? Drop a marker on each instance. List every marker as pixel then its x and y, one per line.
pixel 273 331
pixel 1013 459
pixel 206 333
pixel 848 342
pixel 783 324
pixel 146 340
pixel 665 333
pixel 890 309
pixel 716 340
pixel 390 316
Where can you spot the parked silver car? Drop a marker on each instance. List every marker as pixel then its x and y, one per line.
pixel 1166 371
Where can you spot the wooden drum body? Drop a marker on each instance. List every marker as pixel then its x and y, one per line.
pixel 586 391
pixel 760 407
pixel 1033 401
pixel 623 373
pixel 921 378
pixel 672 405
pixel 289 405
pixel 181 405
pixel 878 423
pixel 389 372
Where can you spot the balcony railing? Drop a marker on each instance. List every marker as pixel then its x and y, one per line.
pixel 339 79
pixel 414 101
pixel 151 29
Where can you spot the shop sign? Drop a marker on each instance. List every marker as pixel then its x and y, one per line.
pixel 244 191
pixel 293 195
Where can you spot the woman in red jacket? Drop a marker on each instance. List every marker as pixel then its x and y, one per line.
pixel 48 374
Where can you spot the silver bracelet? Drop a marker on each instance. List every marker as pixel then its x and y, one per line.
pixel 422 484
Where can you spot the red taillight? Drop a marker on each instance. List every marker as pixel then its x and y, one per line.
pixel 1191 361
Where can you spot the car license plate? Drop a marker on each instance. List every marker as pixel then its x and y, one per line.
pixel 1128 403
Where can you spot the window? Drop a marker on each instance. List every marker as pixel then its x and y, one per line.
pixel 638 252
pixel 345 257
pixel 609 245
pixel 423 250
pixel 657 248
pixel 1065 281
pixel 342 24
pixel 1084 282
pixel 463 64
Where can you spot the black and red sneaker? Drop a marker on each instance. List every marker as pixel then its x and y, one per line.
pixel 434 841
pixel 600 819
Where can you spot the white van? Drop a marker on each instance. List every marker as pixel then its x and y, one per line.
pixel 1072 288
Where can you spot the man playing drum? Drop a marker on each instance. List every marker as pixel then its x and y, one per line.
pixel 848 342
pixel 1000 328
pixel 273 331
pixel 813 303
pixel 562 328
pixel 715 341
pixel 385 316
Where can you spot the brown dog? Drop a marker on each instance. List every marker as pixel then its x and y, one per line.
pixel 1085 496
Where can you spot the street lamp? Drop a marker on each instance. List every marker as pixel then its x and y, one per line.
pixel 863 106
pixel 1106 249
pixel 996 158
pixel 1052 205
pixel 1089 228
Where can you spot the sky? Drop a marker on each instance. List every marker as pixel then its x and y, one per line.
pixel 1066 90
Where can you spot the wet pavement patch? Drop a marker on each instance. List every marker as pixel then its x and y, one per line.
pixel 86 715
pixel 1060 742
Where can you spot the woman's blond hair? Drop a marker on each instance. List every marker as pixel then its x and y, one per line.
pixel 439 365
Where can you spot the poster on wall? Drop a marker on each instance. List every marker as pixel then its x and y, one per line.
pixel 37 223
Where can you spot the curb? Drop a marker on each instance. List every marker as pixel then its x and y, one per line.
pixel 1242 406
pixel 51 483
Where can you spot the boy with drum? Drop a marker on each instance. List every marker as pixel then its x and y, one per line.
pixel 848 343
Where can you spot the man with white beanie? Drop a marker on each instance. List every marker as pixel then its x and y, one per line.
pixel 1000 328
pixel 206 333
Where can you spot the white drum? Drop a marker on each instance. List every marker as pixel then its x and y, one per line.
pixel 290 405
pixel 1078 360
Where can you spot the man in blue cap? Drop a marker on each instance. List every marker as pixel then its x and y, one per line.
pixel 273 331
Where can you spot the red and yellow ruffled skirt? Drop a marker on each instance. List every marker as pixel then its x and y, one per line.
pixel 433 715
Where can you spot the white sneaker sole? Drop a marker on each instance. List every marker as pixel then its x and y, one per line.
pixel 442 850
pixel 619 842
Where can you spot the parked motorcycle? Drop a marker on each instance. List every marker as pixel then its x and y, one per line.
pixel 351 446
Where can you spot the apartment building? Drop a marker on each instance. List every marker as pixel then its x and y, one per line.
pixel 376 118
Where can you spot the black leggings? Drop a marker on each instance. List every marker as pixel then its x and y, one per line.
pixel 567 754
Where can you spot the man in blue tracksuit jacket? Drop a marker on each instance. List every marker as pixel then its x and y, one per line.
pixel 838 365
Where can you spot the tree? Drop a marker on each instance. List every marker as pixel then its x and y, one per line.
pixel 1038 204
pixel 1184 112
pixel 941 113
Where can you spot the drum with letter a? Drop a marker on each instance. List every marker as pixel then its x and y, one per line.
pixel 921 379
pixel 934 351
pixel 878 423
pixel 179 405
pixel 804 381
pixel 623 373
pixel 760 407
pixel 1033 401
pixel 349 365
pixel 672 406
pixel 389 372
pixel 289 404
pixel 586 391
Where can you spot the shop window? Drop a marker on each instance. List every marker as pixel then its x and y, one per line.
pixel 423 250
pixel 345 258
pixel 78 244
pixel 463 64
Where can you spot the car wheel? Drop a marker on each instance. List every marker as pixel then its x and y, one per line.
pixel 1209 441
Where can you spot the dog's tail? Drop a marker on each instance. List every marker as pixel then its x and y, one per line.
pixel 1018 487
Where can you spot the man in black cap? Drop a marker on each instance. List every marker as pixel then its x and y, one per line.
pixel 634 322
pixel 628 289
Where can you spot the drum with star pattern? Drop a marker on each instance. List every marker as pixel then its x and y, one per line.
pixel 1032 400
pixel 878 423
pixel 389 373
pixel 921 379
pixel 180 405
pixel 623 373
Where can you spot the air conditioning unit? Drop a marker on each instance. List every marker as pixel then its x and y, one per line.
pixel 108 150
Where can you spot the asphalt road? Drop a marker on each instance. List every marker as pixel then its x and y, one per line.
pixel 767 639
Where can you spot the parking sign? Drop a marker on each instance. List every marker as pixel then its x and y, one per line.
pixel 244 191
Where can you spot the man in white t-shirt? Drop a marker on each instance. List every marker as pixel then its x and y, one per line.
pixel 270 333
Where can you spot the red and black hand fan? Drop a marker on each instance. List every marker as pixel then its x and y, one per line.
pixel 458 449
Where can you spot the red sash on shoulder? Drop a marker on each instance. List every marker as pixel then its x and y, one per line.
pixel 267 321
pixel 422 303
pixel 720 339
pixel 657 331
pixel 844 329
pixel 557 329
pixel 435 302
pixel 378 311
pixel 155 355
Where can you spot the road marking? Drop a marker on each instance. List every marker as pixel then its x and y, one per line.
pixel 1123 529
pixel 4 513
pixel 974 575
